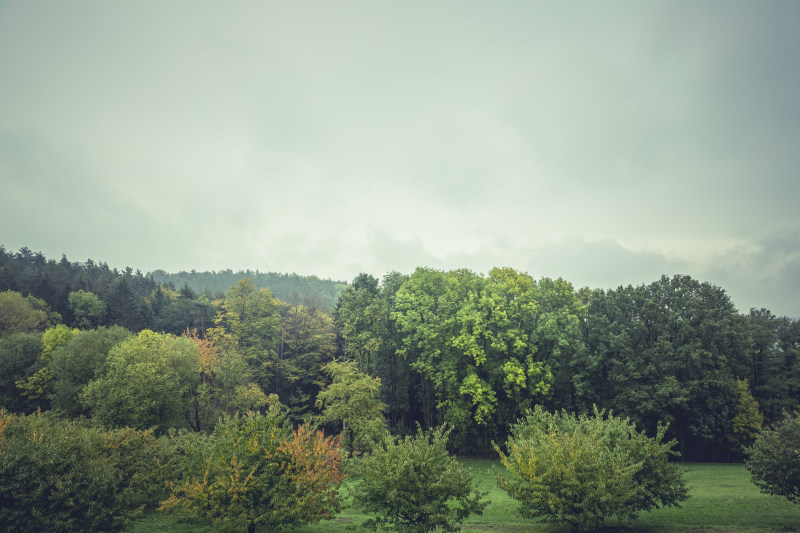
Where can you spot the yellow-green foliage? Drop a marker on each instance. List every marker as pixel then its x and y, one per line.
pixel 414 485
pixel 774 461
pixel 582 470
pixel 255 470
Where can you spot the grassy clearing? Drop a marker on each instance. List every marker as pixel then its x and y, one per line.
pixel 723 500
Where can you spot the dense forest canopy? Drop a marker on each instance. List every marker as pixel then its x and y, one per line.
pixel 471 350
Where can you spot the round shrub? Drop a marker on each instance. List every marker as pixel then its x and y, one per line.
pixel 582 470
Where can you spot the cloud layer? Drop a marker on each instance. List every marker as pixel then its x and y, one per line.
pixel 605 143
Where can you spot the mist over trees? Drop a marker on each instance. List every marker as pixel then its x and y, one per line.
pixel 470 350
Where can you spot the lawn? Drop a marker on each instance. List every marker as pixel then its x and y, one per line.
pixel 722 500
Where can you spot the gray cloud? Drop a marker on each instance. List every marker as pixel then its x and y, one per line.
pixel 762 271
pixel 607 144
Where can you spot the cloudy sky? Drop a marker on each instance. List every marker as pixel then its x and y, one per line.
pixel 604 142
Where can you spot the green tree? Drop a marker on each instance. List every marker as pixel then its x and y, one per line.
pixel 368 336
pixel 149 380
pixel 477 344
pixel 775 356
pixel 81 360
pixel 307 341
pixel 225 383
pixel 670 351
pixel 353 399
pixel 773 460
pixel 19 314
pixel 63 476
pixel 582 470
pixel 39 386
pixel 19 359
pixel 124 306
pixel 414 485
pixel 87 308
pixel 251 317
pixel 558 339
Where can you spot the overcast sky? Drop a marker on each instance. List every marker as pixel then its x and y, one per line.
pixel 604 142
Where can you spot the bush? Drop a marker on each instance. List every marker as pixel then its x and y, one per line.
pixel 584 470
pixel 58 475
pixel 414 485
pixel 774 458
pixel 255 471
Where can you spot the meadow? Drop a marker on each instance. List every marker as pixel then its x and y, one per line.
pixel 723 500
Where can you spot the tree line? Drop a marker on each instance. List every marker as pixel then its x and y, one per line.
pixel 478 351
pixel 157 300
pixel 470 350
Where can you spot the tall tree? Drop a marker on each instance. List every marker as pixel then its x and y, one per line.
pixel 88 310
pixel 251 318
pixel 149 380
pixel 307 342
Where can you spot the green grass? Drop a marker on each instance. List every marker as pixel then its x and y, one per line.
pixel 722 500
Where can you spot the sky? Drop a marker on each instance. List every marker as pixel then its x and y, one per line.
pixel 607 143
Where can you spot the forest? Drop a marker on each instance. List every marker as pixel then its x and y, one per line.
pixel 471 350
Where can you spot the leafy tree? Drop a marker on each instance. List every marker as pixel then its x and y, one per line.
pixel 369 336
pixel 353 399
pixel 225 383
pixel 362 322
pixel 63 476
pixel 775 349
pixel 478 344
pixel 149 380
pixel 81 360
pixel 773 461
pixel 19 314
pixel 39 386
pixel 19 359
pixel 414 485
pixel 256 471
pixel 88 310
pixel 670 351
pixel 307 341
pixel 582 470
pixel 251 318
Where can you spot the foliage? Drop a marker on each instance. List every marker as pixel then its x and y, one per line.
pixel 63 476
pixel 19 359
pixel 225 385
pixel 81 360
pixel 149 380
pixel 352 399
pixel 31 273
pixel 414 485
pixel 774 461
pixel 249 318
pixel 307 341
pixel 367 335
pixel 582 470
pixel 88 310
pixel 143 464
pixel 255 470
pixel 748 419
pixel 19 314
pixel 39 386
pixel 670 351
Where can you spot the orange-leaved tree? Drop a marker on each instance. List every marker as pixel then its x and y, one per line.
pixel 256 471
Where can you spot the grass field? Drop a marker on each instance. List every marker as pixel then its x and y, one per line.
pixel 722 500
